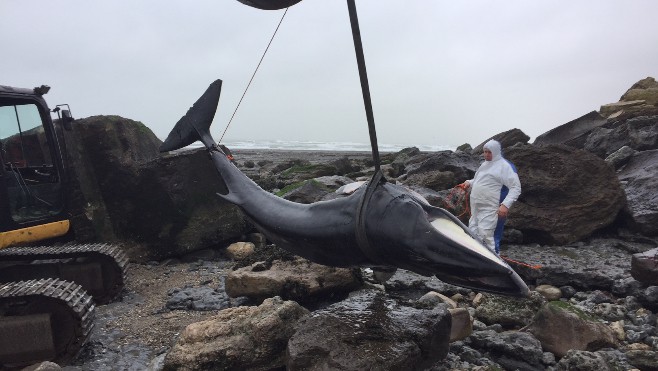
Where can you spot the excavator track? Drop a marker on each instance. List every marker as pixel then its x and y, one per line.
pixel 98 267
pixel 43 319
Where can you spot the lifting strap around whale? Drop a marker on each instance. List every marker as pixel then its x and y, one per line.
pixel 378 178
pixel 361 236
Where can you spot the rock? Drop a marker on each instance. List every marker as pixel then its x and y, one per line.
pixel 631 105
pixel 644 267
pixel 239 338
pixel 617 328
pixel 462 324
pixel 177 210
pixel 643 359
pixel 436 298
pixel 649 297
pixel 567 194
pixel 105 154
pixel 549 292
pixel 509 312
pixel 43 366
pixel 645 89
pixel 638 133
pixel 369 331
pixel 308 192
pixel 640 100
pixel 599 264
pixel 464 148
pixel 258 239
pixel 513 350
pixel 462 166
pixel 573 133
pixel 432 179
pixel 197 298
pixel 641 186
pixel 561 327
pixel 333 182
pixel 240 250
pixel 410 284
pixel 298 279
pixel 579 360
pixel 161 206
pixel 620 157
pixel 506 139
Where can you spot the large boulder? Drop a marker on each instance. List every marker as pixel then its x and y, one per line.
pixel 506 139
pixel 640 183
pixel 105 154
pixel 595 265
pixel 561 327
pixel 638 133
pixel 241 338
pixel 175 209
pixel 369 331
pixel 573 133
pixel 640 100
pixel 567 193
pixel 160 205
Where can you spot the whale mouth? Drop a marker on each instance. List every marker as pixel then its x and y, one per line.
pixel 458 234
pixel 471 258
pixel 510 285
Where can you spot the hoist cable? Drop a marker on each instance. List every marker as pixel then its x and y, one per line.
pixel 360 60
pixel 253 75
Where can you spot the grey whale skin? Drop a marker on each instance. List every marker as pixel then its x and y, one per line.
pixel 401 229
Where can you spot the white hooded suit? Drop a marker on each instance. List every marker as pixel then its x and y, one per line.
pixel 495 183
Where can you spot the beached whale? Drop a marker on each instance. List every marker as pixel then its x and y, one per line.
pixel 379 225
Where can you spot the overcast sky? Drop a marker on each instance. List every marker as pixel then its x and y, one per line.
pixel 440 72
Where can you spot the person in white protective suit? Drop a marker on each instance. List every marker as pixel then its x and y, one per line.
pixel 495 187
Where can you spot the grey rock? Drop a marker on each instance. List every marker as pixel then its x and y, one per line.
pixel 506 139
pixel 638 133
pixel 640 184
pixel 568 194
pixel 510 349
pixel 573 133
pixel 237 338
pixel 297 279
pixel 197 298
pixel 593 266
pixel 620 157
pixel 561 327
pixel 509 312
pixel 369 331
pixel 644 267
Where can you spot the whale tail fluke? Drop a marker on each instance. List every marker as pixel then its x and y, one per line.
pixel 195 125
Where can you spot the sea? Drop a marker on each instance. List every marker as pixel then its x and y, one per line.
pixel 326 146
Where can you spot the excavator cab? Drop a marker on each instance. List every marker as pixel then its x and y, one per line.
pixel 32 204
pixel 47 293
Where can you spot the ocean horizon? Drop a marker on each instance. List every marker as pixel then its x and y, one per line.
pixel 324 146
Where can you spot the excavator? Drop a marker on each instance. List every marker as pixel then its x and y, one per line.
pixel 49 285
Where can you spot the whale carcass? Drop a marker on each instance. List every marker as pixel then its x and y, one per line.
pixel 379 225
